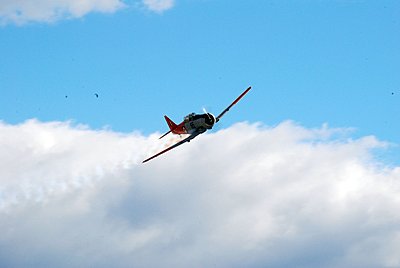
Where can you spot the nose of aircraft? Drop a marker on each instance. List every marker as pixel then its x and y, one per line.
pixel 211 120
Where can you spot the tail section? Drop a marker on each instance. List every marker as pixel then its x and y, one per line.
pixel 171 124
pixel 174 128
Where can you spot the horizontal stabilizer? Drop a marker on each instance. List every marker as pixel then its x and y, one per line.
pixel 165 134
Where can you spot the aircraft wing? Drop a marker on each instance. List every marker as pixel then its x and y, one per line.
pixel 192 136
pixel 233 103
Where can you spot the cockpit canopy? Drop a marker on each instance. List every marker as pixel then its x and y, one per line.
pixel 189 117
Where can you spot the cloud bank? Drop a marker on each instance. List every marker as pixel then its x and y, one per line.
pixel 246 196
pixel 24 11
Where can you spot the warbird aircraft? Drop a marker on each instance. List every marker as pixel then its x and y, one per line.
pixel 194 125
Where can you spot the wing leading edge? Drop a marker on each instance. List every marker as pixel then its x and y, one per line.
pixel 192 136
pixel 233 103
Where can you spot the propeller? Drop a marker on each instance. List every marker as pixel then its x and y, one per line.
pixel 205 110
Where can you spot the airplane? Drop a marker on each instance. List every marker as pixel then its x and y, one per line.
pixel 194 125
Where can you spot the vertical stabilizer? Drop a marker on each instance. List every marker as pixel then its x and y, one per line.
pixel 170 123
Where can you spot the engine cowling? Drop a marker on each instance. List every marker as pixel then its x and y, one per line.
pixel 210 120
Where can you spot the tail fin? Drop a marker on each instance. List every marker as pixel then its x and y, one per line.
pixel 170 123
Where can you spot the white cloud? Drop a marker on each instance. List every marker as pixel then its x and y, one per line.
pixel 23 11
pixel 158 6
pixel 247 196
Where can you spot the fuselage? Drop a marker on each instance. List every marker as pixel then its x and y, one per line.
pixel 192 123
pixel 198 122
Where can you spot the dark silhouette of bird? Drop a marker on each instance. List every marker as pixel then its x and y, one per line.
pixel 97 95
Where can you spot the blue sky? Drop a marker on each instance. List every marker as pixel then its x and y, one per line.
pixel 296 175
pixel 308 61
